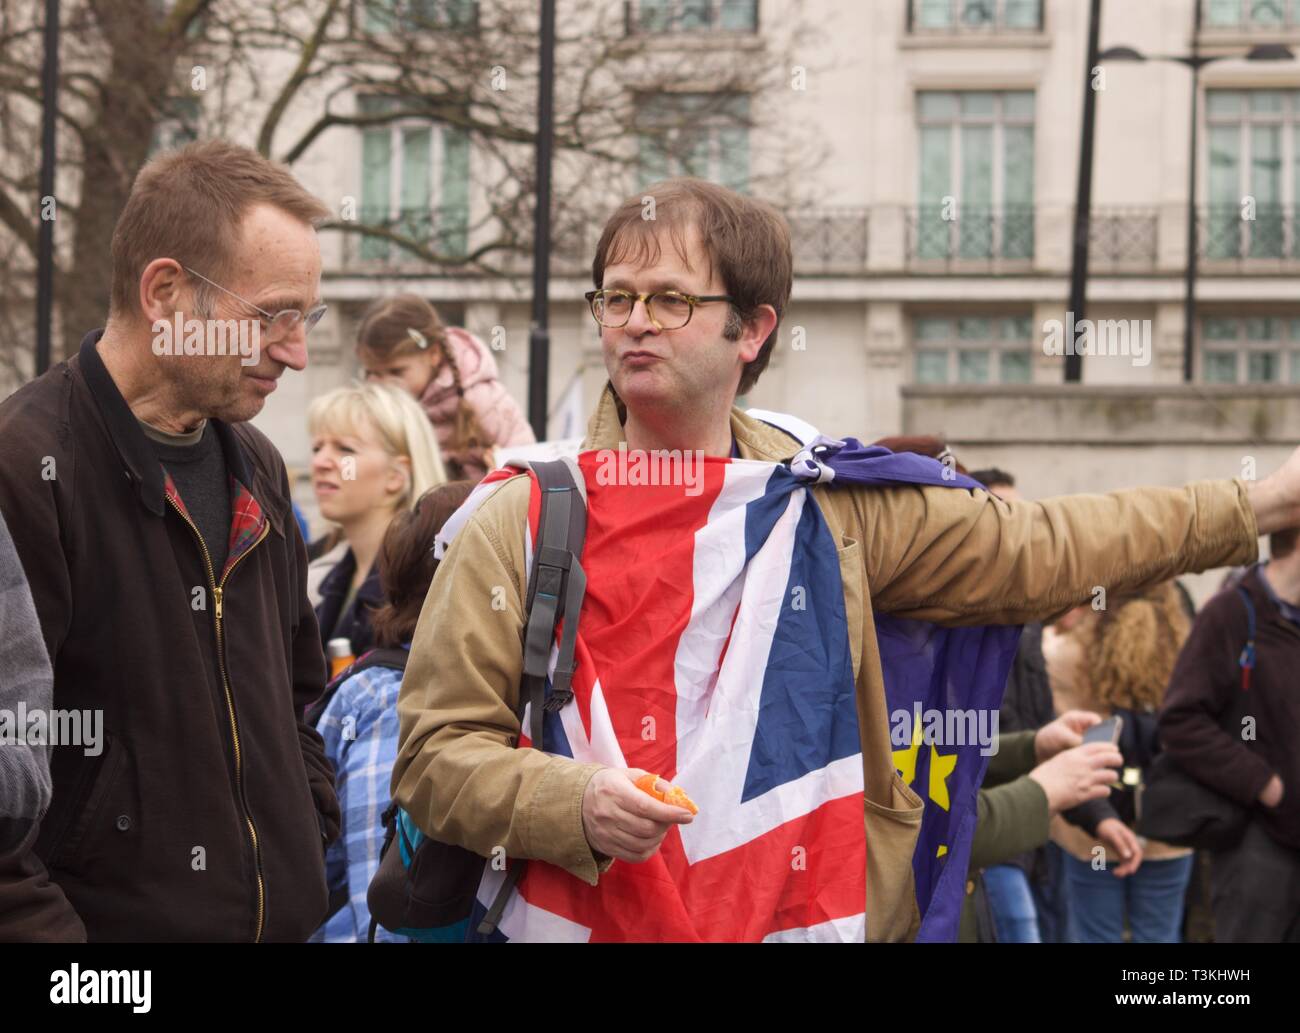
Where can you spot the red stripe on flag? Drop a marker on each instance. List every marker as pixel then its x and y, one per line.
pixel 731 897
pixel 640 559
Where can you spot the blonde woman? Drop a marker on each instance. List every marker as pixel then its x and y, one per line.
pixel 1117 662
pixel 373 455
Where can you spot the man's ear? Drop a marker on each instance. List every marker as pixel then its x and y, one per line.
pixel 756 330
pixel 163 286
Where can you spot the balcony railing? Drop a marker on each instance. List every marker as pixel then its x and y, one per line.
pixel 829 240
pixel 443 233
pixel 926 17
pixel 1123 240
pixel 1227 235
pixel 969 238
pixel 663 17
pixel 1249 15
pixel 411 17
pixel 838 241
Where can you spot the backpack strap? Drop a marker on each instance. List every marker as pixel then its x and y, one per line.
pixel 558 582
pixel 556 587
pixel 393 658
pixel 1246 661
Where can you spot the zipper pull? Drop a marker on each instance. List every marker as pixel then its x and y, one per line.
pixel 216 595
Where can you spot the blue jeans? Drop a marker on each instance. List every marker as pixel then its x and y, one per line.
pixel 1012 904
pixel 1152 898
pixel 1049 896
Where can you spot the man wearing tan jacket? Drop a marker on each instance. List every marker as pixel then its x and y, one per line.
pixel 689 303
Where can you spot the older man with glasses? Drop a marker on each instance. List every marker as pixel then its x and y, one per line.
pixel 154 526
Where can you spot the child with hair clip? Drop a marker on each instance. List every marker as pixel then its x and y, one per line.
pixel 451 373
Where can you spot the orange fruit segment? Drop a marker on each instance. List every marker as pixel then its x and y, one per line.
pixel 674 796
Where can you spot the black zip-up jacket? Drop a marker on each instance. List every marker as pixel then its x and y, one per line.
pixel 205 815
pixel 1201 722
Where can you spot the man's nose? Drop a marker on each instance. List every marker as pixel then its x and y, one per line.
pixel 639 322
pixel 291 350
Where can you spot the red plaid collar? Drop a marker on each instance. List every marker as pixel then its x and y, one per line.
pixel 247 518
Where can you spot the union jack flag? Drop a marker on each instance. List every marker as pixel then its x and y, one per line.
pixel 712 650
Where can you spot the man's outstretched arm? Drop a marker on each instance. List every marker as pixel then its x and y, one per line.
pixel 962 557
pixel 1276 499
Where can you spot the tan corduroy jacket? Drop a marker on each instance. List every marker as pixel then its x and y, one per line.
pixel 937 554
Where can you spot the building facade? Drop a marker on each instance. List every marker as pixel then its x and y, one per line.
pixel 932 228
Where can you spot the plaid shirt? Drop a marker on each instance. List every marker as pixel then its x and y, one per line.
pixel 359 727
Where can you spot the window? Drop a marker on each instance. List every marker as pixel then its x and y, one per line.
pixel 973 349
pixel 414 180
pixel 399 16
pixel 1254 160
pixel 654 16
pixel 178 125
pixel 1250 14
pixel 977 175
pixel 976 15
pixel 1255 350
pixel 162 9
pixel 694 134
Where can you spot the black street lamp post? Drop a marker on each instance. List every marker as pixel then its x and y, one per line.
pixel 45 239
pixel 539 338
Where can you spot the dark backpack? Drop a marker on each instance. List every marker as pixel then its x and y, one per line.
pixel 426 889
pixel 1176 808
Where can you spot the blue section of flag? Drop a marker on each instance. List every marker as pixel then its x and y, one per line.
pixel 944 671
pixel 553 730
pixel 472 935
pixel 936 670
pixel 807 710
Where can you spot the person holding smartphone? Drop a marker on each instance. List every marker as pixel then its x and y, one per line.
pixel 1116 662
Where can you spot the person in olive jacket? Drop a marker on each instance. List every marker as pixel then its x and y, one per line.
pixel 1032 776
pixel 155 527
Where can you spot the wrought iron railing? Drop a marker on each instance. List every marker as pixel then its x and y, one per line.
pixel 973 16
pixel 1240 233
pixel 656 17
pixel 829 240
pixel 1249 15
pixel 1123 239
pixel 443 233
pixel 400 17
pixel 940 236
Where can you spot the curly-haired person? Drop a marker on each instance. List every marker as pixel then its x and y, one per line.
pixel 1117 662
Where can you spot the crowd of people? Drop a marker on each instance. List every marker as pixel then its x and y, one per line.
pixel 278 708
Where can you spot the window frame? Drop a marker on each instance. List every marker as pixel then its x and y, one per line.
pixel 651 127
pixel 1245 121
pixel 1286 347
pixel 997 346
pixel 434 210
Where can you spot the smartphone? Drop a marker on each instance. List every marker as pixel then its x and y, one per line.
pixel 1105 731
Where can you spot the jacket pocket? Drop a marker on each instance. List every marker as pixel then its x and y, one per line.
pixel 892 832
pixel 851 576
pixel 88 813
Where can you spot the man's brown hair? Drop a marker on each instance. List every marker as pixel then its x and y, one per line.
pixel 406 563
pixel 747 243
pixel 187 205
pixel 1282 543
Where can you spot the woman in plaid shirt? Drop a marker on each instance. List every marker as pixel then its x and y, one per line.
pixel 360 725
